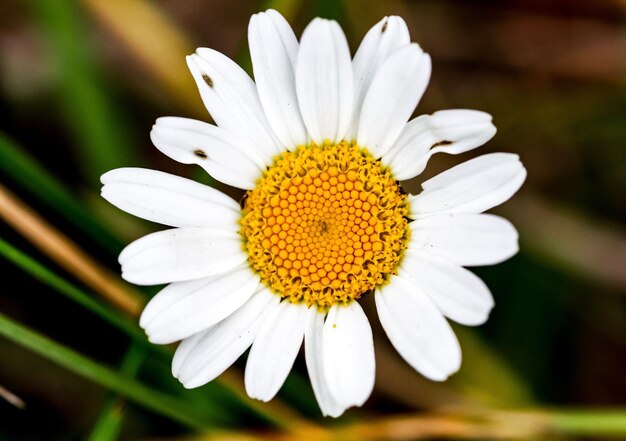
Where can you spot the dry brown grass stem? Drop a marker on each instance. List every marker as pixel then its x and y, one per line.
pixel 233 378
pixel 156 42
pixel 67 254
pixel 491 425
pixel 583 246
pixel 11 398
pixel 488 425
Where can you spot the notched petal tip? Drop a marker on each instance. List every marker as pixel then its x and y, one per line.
pixel 417 49
pixel 105 178
pixel 335 414
pixel 460 116
pixel 132 278
pixel 190 384
pixel 119 174
pixel 481 321
pixel 441 377
pixel 157 340
pixel 267 13
pixel 195 63
pixel 191 62
pixel 318 20
pixel 203 52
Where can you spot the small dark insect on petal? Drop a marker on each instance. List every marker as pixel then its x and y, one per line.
pixel 440 143
pixel 207 79
pixel 384 26
pixel 200 154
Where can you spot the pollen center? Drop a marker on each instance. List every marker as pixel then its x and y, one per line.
pixel 325 224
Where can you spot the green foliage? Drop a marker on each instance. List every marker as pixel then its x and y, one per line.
pixel 48 277
pixel 109 422
pixel 176 408
pixel 96 120
pixel 32 176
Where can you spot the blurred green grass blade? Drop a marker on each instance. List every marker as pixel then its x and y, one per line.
pixel 591 422
pixel 298 392
pixel 48 277
pixel 30 175
pixel 288 8
pixel 486 376
pixel 173 407
pixel 331 9
pixel 45 275
pixel 102 138
pixel 109 422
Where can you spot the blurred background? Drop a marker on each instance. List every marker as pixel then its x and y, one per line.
pixel 81 83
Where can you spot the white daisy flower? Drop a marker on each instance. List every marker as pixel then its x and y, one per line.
pixel 319 142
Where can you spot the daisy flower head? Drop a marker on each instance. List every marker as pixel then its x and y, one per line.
pixel 320 142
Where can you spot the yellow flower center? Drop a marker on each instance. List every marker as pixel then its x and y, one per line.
pixel 325 224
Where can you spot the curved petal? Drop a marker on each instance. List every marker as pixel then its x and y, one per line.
pixel 169 200
pixel 274 350
pixel 181 254
pixel 324 81
pixel 471 187
pixel 417 330
pixel 458 293
pixel 348 355
pixel 222 154
pixel 446 131
pixel 231 98
pixel 184 308
pixel 382 40
pixel 205 355
pixel 466 239
pixel 274 52
pixel 314 352
pixel 393 95
pixel 188 346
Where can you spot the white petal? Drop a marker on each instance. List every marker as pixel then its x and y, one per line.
pixel 169 200
pixel 314 351
pixel 188 346
pixel 471 187
pixel 181 254
pixel 446 131
pixel 393 95
pixel 274 350
pixel 324 81
pixel 274 52
pixel 467 239
pixel 184 308
pixel 231 98
pixel 382 40
pixel 458 293
pixel 204 356
pixel 417 330
pixel 222 154
pixel 348 355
